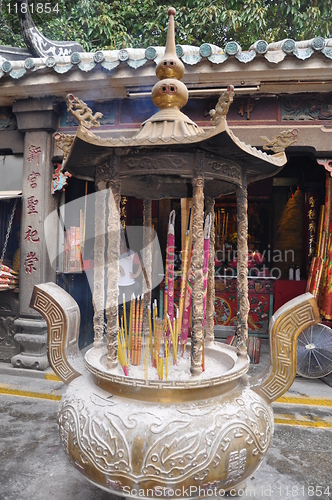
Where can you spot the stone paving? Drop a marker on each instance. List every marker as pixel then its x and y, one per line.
pixel 34 466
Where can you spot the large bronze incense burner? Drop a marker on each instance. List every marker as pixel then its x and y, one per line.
pixel 137 437
pixel 197 430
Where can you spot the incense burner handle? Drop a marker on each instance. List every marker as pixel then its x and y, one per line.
pixel 285 327
pixel 62 316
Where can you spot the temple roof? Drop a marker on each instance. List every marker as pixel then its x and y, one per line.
pixel 108 60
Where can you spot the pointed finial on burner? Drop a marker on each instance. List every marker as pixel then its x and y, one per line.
pixel 170 40
pixel 170 65
pixel 170 92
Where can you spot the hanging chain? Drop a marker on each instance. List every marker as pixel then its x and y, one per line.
pixel 8 232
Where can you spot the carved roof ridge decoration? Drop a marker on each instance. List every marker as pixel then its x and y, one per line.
pixel 190 55
pixel 279 159
pixel 37 43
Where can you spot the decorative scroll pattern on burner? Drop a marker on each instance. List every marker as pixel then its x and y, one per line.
pixel 228 170
pixel 183 442
pixel 161 163
pixel 282 370
pixel 174 384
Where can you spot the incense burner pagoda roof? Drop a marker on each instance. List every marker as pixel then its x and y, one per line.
pixel 88 147
pixel 169 132
pixel 109 60
pixel 162 165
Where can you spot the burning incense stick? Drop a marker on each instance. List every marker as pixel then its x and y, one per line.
pixel 178 328
pixel 136 332
pixel 132 308
pixel 203 354
pixel 166 353
pixel 123 343
pixel 223 225
pixel 170 327
pixel 133 336
pixel 185 268
pixel 150 330
pixel 207 227
pixel 122 354
pixel 125 318
pixel 146 356
pixel 161 367
pixel 173 337
pixel 186 313
pixel 170 268
pixel 140 330
pixel 158 335
pixel 174 346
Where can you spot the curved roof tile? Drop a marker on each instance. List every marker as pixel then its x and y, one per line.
pixel 190 55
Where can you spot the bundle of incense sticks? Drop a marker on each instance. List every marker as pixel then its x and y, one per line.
pixel 132 325
pixel 173 330
pixel 221 227
pixel 168 361
pixel 158 330
pixel 203 354
pixel 125 319
pixel 137 333
pixel 140 330
pixel 172 327
pixel 146 343
pixel 176 338
pixel 185 268
pixel 160 365
pixel 122 350
pixel 162 348
pixel 134 354
pixel 150 330
pixel 186 313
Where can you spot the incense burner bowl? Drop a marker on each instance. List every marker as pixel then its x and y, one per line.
pixel 187 436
